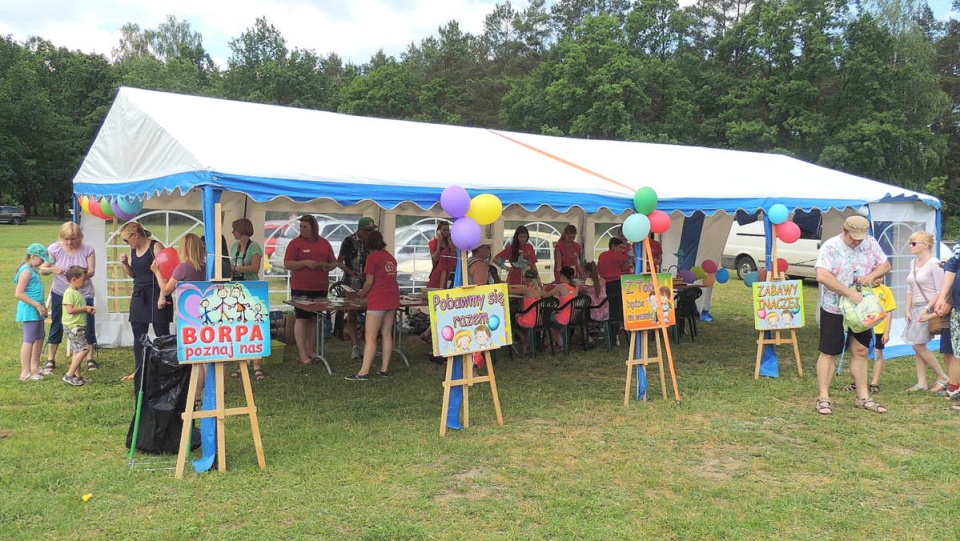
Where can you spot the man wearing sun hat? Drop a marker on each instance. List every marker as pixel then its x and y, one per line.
pixel 850 258
pixel 353 255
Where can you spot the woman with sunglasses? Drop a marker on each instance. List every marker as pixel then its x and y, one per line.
pixel 145 299
pixel 67 252
pixel 923 287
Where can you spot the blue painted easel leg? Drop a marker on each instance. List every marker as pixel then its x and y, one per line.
pixel 208 426
pixel 769 362
pixel 456 395
pixel 641 382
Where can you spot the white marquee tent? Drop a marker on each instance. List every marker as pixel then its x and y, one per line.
pixel 181 151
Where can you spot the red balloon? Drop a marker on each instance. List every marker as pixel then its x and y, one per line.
pixel 763 275
pixel 788 232
pixel 782 265
pixel 659 221
pixel 167 260
pixel 709 266
pixel 97 210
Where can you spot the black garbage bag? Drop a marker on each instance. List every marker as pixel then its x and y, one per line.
pixel 165 383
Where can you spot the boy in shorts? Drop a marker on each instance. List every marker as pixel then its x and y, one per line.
pixel 75 312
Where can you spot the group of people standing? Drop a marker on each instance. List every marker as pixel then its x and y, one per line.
pixel 854 259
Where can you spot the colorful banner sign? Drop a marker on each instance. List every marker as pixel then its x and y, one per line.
pixel 222 321
pixel 468 319
pixel 778 305
pixel 643 305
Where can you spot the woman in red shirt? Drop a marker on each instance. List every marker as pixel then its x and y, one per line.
pixel 310 259
pixel 521 255
pixel 382 292
pixel 566 253
pixel 611 265
pixel 444 256
pixel 565 290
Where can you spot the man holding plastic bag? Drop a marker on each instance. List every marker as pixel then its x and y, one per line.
pixel 846 266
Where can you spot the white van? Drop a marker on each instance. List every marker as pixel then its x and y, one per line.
pixel 745 249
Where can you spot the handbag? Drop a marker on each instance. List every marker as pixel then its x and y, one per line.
pixel 864 316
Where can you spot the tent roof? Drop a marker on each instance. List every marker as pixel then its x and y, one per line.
pixel 156 142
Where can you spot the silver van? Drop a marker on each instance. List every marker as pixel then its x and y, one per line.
pixel 745 249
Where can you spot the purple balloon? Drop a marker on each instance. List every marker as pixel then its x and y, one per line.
pixel 687 276
pixel 466 233
pixel 455 201
pixel 118 210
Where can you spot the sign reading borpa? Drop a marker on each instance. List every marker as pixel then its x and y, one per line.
pixel 222 321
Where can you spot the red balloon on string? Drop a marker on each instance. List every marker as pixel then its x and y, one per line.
pixel 782 265
pixel 788 232
pixel 167 260
pixel 659 221
pixel 709 266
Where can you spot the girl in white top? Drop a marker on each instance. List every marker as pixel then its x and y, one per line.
pixel 923 286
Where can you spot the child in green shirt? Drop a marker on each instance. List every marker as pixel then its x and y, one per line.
pixel 75 312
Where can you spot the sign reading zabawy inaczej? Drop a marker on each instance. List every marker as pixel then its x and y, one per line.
pixel 778 305
pixel 220 321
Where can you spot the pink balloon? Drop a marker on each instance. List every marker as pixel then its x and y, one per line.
pixel 455 201
pixel 97 210
pixel 167 259
pixel 788 232
pixel 709 266
pixel 782 265
pixel 659 221
pixel 447 333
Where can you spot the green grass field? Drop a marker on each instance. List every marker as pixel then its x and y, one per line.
pixel 738 459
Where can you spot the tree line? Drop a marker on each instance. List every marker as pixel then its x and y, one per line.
pixel 867 87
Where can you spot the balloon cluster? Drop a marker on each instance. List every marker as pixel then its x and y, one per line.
pixel 760 275
pixel 469 214
pixel 637 226
pixel 124 208
pixel 785 230
pixel 710 273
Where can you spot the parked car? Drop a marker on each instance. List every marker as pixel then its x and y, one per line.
pixel 12 215
pixel 334 230
pixel 745 251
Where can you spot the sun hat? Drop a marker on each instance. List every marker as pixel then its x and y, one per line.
pixel 857 227
pixel 40 251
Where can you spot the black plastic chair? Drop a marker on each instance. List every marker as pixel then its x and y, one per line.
pixel 686 312
pixel 611 325
pixel 543 308
pixel 579 316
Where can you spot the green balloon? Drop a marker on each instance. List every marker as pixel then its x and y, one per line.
pixel 645 201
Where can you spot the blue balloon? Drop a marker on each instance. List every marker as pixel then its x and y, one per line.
pixel 130 206
pixel 750 278
pixel 778 214
pixel 494 323
pixel 636 227
pixel 723 275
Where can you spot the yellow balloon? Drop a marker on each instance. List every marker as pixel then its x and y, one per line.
pixel 85 204
pixel 485 208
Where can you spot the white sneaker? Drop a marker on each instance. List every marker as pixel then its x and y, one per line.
pixel 357 353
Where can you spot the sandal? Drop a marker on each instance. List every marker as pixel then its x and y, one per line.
pixel 49 367
pixel 824 406
pixel 917 387
pixel 940 385
pixel 128 377
pixel 870 404
pixel 874 388
pixel 258 374
pixel 851 387
pixel 92 365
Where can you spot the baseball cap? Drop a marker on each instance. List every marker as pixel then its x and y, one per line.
pixel 366 223
pixel 857 227
pixel 40 251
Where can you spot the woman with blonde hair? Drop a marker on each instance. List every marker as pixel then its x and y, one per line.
pixel 923 288
pixel 67 252
pixel 144 301
pixel 192 268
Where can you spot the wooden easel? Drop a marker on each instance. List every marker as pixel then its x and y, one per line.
pixel 220 412
pixel 467 381
pixel 777 339
pixel 661 335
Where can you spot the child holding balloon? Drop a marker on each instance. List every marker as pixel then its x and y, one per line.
pixel 145 300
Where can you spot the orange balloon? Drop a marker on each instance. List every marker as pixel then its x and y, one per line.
pixel 709 280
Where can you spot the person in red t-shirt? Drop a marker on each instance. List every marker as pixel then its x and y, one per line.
pixel 383 298
pixel 566 253
pixel 521 255
pixel 444 256
pixel 611 265
pixel 310 259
